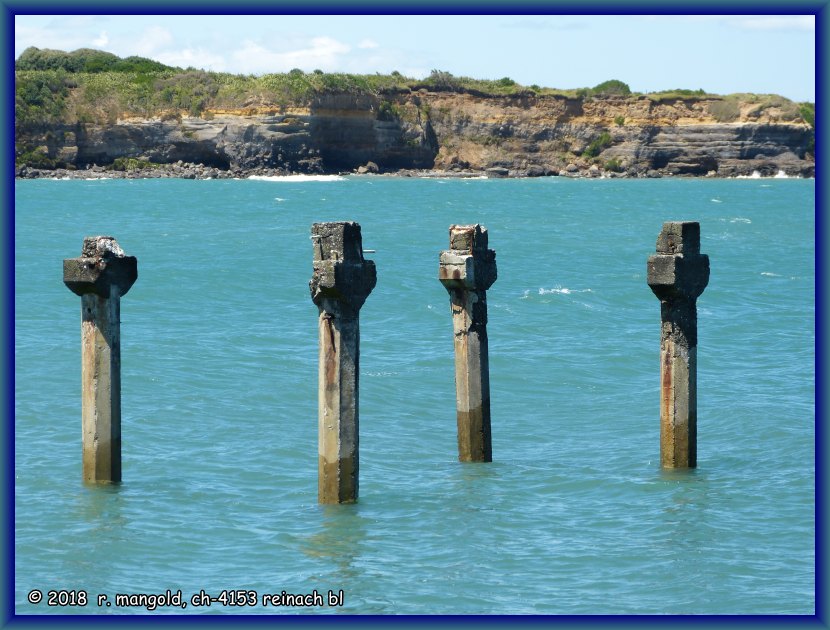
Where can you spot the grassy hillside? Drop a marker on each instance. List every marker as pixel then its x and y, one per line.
pixel 92 86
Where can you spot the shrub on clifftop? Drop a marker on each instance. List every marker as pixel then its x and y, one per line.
pixel 611 88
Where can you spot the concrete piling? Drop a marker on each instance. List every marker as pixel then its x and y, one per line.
pixel 340 283
pixel 101 275
pixel 467 270
pixel 677 274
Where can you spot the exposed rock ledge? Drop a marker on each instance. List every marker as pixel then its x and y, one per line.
pixel 461 134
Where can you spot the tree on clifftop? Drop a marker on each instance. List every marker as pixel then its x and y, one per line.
pixel 441 80
pixel 611 88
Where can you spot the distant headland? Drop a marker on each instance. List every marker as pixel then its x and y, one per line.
pixel 92 113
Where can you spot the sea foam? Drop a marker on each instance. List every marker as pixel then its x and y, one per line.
pixel 297 178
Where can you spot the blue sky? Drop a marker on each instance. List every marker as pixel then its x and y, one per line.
pixel 720 54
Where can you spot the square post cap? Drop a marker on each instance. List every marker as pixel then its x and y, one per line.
pixel 340 271
pixel 679 237
pixel 101 266
pixel 678 270
pixel 468 264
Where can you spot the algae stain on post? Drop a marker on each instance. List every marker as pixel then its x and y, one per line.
pixel 467 270
pixel 100 276
pixel 340 283
pixel 677 274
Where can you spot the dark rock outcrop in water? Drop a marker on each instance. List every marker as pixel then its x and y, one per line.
pixel 461 133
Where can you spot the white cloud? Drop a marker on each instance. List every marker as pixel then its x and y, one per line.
pixel 540 24
pixel 778 22
pixel 749 22
pixel 101 41
pixel 259 54
pixel 192 57
pixel 152 41
pixel 25 36
pixel 72 22
pixel 415 72
pixel 158 43
pixel 324 53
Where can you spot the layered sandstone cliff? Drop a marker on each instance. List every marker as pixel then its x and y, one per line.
pixel 524 135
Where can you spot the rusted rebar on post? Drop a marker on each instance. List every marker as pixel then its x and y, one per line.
pixel 101 275
pixel 340 284
pixel 467 270
pixel 677 274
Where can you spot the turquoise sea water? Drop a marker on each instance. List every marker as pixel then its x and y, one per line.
pixel 574 516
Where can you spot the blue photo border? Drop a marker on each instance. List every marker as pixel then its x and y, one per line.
pixel 10 8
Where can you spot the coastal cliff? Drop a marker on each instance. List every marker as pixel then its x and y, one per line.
pixel 624 135
pixel 335 134
pixel 222 125
pixel 509 136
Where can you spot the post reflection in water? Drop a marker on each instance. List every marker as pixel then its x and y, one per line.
pixel 340 544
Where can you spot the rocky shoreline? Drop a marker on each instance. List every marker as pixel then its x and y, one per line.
pixel 456 135
pixel 186 170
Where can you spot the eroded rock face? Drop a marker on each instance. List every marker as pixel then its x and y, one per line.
pixel 524 135
pixel 699 149
pixel 532 136
pixel 308 143
pixel 336 132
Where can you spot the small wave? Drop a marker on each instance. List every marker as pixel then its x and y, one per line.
pixel 769 274
pixel 715 201
pixel 740 220
pixel 279 199
pixel 757 175
pixel 501 307
pixel 562 291
pixel 297 178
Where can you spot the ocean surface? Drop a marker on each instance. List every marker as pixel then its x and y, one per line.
pixel 573 516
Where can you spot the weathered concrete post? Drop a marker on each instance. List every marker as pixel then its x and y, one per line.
pixel 101 275
pixel 340 284
pixel 467 270
pixel 677 274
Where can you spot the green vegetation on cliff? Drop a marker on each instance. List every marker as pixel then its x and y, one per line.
pixel 40 97
pixel 611 88
pixel 85 60
pixel 93 86
pixel 598 145
pixel 808 113
pixel 67 103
